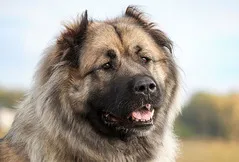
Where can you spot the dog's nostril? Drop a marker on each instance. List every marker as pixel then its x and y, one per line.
pixel 142 88
pixel 152 86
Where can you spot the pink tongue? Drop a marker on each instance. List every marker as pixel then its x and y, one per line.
pixel 142 115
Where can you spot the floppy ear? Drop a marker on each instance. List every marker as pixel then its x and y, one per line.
pixel 72 38
pixel 159 37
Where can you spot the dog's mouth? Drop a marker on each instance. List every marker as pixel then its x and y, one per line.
pixel 141 117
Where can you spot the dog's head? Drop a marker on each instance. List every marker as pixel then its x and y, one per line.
pixel 121 74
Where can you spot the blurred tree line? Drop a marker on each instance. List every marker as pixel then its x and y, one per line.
pixel 204 115
pixel 10 98
pixel 210 115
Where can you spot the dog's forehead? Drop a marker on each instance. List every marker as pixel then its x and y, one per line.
pixel 133 36
pixel 102 36
pixel 122 37
pixel 119 35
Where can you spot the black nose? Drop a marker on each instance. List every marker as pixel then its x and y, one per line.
pixel 144 85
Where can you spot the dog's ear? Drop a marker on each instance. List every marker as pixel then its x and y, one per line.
pixel 66 51
pixel 137 15
pixel 72 38
pixel 159 37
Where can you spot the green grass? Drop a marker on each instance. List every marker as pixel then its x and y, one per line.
pixel 209 151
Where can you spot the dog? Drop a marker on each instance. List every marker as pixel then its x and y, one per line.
pixel 105 91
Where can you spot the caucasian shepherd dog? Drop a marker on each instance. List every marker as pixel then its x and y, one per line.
pixel 105 91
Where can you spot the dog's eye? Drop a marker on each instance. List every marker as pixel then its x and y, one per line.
pixel 107 66
pixel 145 60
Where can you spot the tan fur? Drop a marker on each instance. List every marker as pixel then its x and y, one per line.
pixel 45 128
pixel 9 154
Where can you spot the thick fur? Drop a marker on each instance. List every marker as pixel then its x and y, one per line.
pixel 54 122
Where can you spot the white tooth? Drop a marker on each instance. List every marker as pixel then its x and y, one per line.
pixel 142 120
pixel 152 112
pixel 137 119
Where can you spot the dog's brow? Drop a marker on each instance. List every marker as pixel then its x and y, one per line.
pixel 138 49
pixel 111 54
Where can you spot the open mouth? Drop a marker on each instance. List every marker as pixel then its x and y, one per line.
pixel 142 116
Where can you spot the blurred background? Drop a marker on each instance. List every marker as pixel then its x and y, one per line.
pixel 206 38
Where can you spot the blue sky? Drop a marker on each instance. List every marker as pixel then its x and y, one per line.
pixel 205 33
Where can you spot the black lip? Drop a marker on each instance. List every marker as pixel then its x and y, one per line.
pixel 126 122
pixel 129 113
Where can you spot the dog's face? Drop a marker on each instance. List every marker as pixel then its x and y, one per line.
pixel 122 74
pixel 127 72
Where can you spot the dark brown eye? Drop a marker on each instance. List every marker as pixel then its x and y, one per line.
pixel 107 66
pixel 145 60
